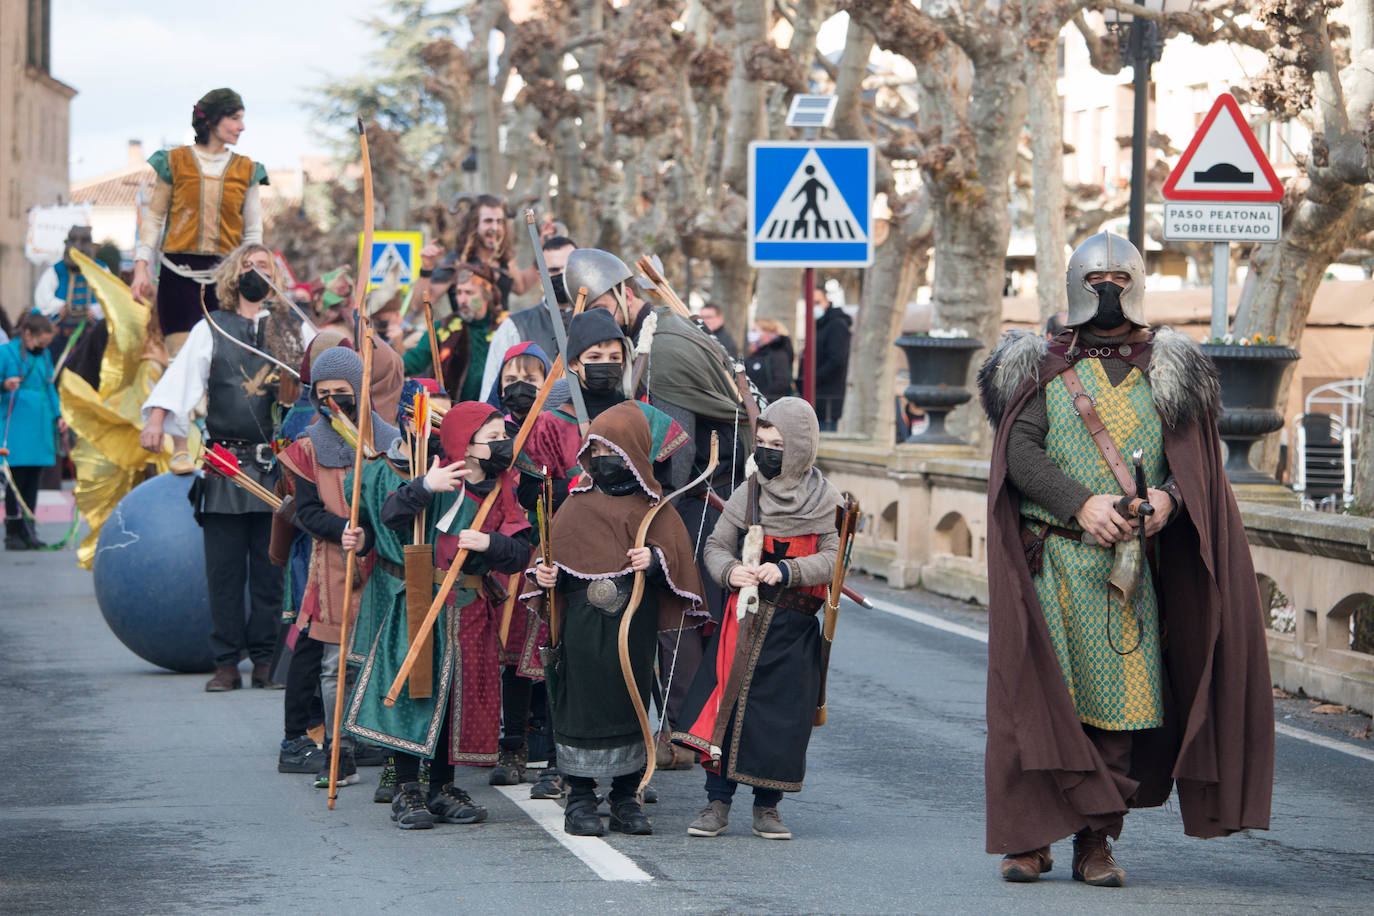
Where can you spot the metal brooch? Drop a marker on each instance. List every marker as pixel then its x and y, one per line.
pixel 606 596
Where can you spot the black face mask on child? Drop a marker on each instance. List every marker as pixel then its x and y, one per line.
pixel 769 461
pixel 518 398
pixel 502 454
pixel 611 474
pixel 602 376
pixel 346 403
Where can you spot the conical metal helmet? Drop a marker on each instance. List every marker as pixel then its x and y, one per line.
pixel 595 269
pixel 1105 252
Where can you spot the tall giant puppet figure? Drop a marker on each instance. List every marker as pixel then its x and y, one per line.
pixel 204 205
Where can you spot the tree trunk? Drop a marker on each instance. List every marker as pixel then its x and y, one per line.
pixel 731 275
pixel 1046 125
pixel 1364 458
pixel 869 409
pixel 972 223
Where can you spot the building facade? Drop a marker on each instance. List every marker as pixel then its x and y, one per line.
pixel 34 133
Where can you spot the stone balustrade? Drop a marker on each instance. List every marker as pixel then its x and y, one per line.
pixel 925 523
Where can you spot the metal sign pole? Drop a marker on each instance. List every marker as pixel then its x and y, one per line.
pixel 809 352
pixel 1221 268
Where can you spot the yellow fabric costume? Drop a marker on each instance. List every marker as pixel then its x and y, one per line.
pixel 109 461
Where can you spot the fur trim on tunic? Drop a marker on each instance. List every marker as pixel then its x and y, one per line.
pixel 1184 381
pixel 1015 361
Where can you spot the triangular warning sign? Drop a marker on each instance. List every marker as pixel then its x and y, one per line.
pixel 1224 161
pixel 389 258
pixel 810 209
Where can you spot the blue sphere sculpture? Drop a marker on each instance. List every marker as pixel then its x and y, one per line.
pixel 150 576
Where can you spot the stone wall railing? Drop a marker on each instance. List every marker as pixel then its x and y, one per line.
pixel 925 523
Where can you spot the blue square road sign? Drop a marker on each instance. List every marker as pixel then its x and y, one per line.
pixel 810 204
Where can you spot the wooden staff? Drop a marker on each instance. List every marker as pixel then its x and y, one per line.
pixel 847 522
pixel 416 638
pixel 364 411
pixel 433 336
pixel 647 267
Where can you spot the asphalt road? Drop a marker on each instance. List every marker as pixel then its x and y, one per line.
pixel 129 790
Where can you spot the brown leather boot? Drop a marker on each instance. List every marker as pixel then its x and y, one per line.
pixel 226 678
pixel 262 677
pixel 1027 866
pixel 1093 862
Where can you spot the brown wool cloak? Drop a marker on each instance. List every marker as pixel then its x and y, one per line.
pixel 1044 778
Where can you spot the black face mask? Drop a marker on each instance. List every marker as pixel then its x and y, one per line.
pixel 1109 314
pixel 611 474
pixel 436 445
pixel 36 351
pixel 347 404
pixel 253 287
pixel 518 398
pixel 502 454
pixel 560 289
pixel 602 376
pixel 769 461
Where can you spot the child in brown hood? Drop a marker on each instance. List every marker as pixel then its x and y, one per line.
pixel 596 726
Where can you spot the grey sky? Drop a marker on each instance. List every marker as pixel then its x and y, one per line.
pixel 138 69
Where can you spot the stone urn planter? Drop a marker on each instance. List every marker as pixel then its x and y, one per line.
pixel 1250 377
pixel 937 367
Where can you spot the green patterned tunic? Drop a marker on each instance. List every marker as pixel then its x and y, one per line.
pixel 1111 691
pixel 381 640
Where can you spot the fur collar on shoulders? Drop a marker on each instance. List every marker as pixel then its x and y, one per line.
pixel 1184 381
pixel 1013 362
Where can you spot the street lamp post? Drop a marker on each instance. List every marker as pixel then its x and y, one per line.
pixel 1141 45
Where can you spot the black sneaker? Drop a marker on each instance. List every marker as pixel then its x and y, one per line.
pixel 348 770
pixel 628 817
pixel 386 785
pixel 548 785
pixel 16 542
pixel 510 767
pixel 299 755
pixel 367 754
pixel 408 809
pixel 451 805
pixel 580 818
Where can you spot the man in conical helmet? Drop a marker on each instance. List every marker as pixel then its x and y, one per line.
pixel 1090 710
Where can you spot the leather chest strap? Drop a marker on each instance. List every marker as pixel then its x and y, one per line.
pixel 1083 403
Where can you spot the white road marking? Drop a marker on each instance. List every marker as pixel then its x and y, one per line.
pixel 598 855
pixel 1330 744
pixel 929 620
pixel 938 623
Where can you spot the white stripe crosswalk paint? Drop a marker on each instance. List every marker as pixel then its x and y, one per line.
pixel 601 857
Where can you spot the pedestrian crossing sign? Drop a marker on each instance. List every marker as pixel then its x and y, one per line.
pixel 393 251
pixel 810 204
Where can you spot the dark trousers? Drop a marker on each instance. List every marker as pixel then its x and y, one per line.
pixel 515 707
pixel 583 788
pixel 675 674
pixel 718 788
pixel 26 479
pixel 302 698
pixel 440 768
pixel 235 557
pixel 1115 748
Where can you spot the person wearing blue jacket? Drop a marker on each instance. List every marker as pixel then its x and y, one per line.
pixel 32 419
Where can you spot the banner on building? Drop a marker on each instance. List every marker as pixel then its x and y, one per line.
pixel 46 237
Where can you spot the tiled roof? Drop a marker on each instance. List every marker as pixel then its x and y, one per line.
pixel 119 189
